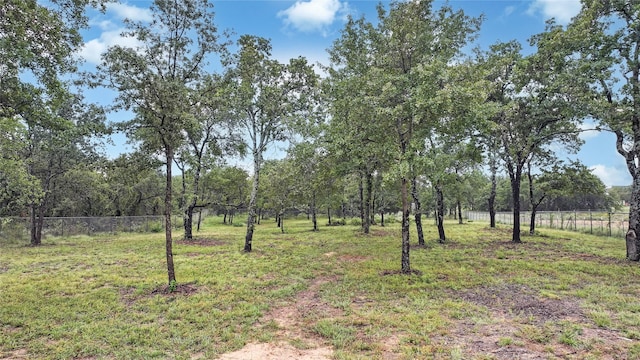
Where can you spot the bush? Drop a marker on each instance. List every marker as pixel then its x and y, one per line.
pixel 156 227
pixel 12 231
pixel 339 222
pixel 355 222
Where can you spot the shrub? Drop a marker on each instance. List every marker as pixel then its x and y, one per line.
pixel 355 221
pixel 338 222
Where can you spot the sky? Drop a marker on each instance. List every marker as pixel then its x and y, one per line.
pixel 309 27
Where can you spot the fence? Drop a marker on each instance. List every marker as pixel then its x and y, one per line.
pixel 16 228
pixel 593 222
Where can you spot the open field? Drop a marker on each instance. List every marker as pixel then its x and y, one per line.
pixel 334 294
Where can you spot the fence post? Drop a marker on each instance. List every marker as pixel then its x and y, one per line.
pixel 609 223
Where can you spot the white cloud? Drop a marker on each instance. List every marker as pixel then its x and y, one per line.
pixel 509 10
pixel 561 10
pixel 93 49
pixel 124 11
pixel 313 15
pixel 587 130
pixel 611 176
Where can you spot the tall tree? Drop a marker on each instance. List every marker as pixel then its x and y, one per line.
pixel 356 131
pixel 38 40
pixel 268 98
pixel 604 41
pixel 397 60
pixel 57 141
pixel 213 136
pixel 161 81
pixel 533 111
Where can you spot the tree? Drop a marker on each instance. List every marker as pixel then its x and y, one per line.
pixel 400 63
pixel 212 137
pixel 226 188
pixel 533 111
pixel 279 187
pixel 58 141
pixel 267 99
pixel 135 184
pixel 356 130
pixel 38 40
pixel 603 41
pixel 17 185
pixel 161 81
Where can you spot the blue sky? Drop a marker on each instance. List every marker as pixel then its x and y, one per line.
pixel 308 27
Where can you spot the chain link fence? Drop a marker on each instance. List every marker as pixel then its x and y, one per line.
pixel 593 222
pixel 18 228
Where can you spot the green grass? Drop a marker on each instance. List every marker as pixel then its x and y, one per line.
pixel 96 297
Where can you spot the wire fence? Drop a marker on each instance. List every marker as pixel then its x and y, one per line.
pixel 593 222
pixel 18 228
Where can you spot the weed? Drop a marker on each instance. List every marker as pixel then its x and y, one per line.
pixel 339 335
pixel 505 341
pixel 538 334
pixel 570 335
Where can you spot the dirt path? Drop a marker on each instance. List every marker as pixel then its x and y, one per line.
pixel 295 323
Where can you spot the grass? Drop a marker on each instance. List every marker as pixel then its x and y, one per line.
pixel 477 295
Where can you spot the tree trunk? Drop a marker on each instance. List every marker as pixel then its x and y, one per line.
pixel 418 215
pixel 534 203
pixel 314 218
pixel 532 223
pixel 167 217
pixel 199 220
pixel 382 218
pixel 366 225
pixel 492 198
pixel 633 243
pixel 516 177
pixel 492 203
pixel 35 239
pixel 188 222
pixel 281 223
pixel 440 213
pixel 361 191
pixel 329 213
pixel 630 156
pixel 252 202
pixel 224 219
pixel 459 212
pixel 406 265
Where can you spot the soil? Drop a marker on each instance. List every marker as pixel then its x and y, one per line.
pixel 512 312
pixel 294 322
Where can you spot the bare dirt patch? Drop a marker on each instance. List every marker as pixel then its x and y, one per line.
pixel 129 295
pixel 294 322
pixel 180 289
pixel 399 272
pixel 15 355
pixel 279 351
pixel 522 325
pixel 519 300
